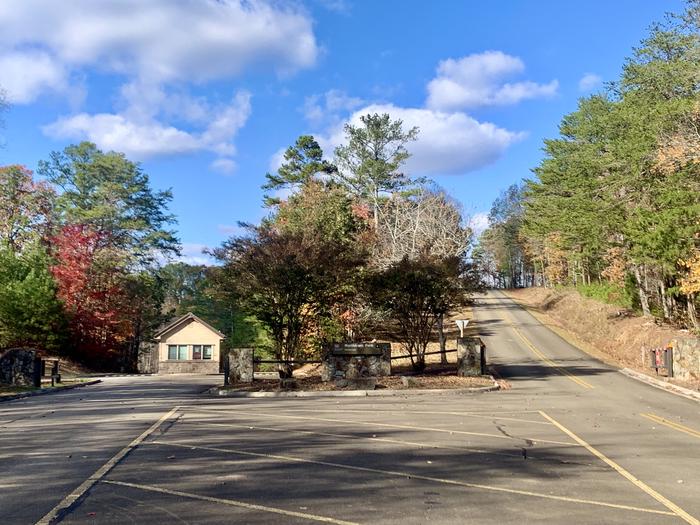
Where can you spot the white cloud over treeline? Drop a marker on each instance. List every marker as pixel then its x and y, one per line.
pixel 160 48
pixel 450 141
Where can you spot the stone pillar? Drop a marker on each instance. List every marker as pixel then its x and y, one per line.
pixel 21 367
pixel 686 359
pixel 471 356
pixel 240 367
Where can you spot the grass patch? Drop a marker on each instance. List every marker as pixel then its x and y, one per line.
pixel 606 293
pixel 10 390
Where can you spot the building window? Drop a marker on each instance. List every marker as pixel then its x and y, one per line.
pixel 201 351
pixel 177 352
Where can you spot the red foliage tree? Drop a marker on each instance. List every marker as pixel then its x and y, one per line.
pixel 89 285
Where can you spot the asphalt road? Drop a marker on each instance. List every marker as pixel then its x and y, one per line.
pixel 573 441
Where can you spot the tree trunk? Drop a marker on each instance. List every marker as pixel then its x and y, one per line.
pixel 284 370
pixel 643 298
pixel 692 314
pixel 664 299
pixel 441 336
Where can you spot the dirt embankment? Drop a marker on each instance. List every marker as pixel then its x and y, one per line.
pixel 605 331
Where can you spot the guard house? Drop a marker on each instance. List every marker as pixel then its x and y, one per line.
pixel 188 345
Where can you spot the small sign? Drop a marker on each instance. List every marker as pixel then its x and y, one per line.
pixel 461 324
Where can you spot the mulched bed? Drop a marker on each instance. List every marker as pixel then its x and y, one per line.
pixel 432 380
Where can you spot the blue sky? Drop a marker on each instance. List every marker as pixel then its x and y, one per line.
pixel 207 94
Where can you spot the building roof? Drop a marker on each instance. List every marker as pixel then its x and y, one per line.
pixel 181 320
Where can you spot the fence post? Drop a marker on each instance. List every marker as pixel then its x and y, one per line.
pixel 227 369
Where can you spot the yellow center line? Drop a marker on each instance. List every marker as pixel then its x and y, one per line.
pixel 626 474
pixel 672 424
pixel 411 475
pixel 544 358
pixel 231 502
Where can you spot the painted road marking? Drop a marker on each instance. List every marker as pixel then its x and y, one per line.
pixel 56 514
pixel 411 475
pixel 626 474
pixel 231 502
pixel 389 425
pixel 484 415
pixel 672 424
pixel 544 358
pixel 355 437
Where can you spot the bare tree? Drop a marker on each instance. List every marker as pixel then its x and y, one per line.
pixel 428 224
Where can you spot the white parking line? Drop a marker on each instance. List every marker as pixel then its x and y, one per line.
pixel 390 425
pixel 353 437
pixel 404 413
pixel 231 502
pixel 409 475
pixel 55 514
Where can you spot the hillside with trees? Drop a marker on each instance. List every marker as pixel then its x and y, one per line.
pixel 614 206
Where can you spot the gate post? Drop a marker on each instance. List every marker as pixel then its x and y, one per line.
pixel 471 356
pixel 240 365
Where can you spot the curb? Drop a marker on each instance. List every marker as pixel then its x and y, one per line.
pixel 384 392
pixel 663 385
pixel 49 390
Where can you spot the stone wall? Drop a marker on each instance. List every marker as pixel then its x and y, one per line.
pixel 471 356
pixel 352 361
pixel 20 367
pixel 240 365
pixel 199 366
pixel 686 359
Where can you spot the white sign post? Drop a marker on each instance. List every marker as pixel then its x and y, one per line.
pixel 462 324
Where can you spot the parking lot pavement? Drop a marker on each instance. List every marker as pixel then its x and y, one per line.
pixel 572 441
pixel 433 459
pixel 51 444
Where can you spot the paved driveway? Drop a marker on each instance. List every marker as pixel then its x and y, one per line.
pixel 573 441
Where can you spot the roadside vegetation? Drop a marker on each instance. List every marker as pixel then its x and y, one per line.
pixel 352 249
pixel 613 209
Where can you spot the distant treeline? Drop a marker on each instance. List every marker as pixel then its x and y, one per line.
pixel 614 206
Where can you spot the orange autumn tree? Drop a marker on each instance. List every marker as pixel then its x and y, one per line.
pixel 690 284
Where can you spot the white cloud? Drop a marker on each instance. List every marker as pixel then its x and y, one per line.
pixel 26 75
pixel 328 106
pixel 193 253
pixel 224 165
pixel 338 6
pixel 277 160
pixel 479 222
pixel 589 82
pixel 479 80
pixel 161 40
pixel 448 143
pixel 141 136
pixel 160 48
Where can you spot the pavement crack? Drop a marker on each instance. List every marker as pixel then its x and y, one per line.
pixel 528 442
